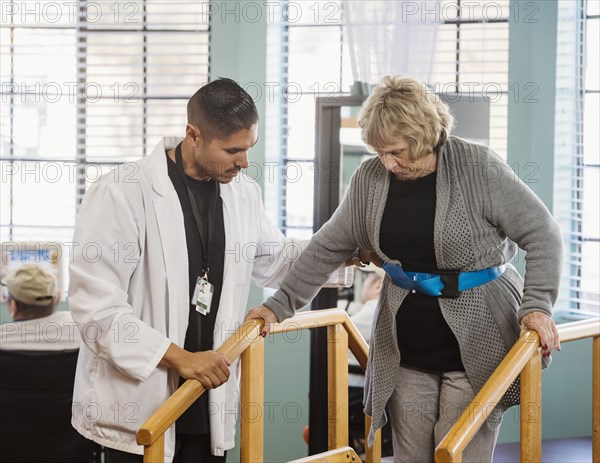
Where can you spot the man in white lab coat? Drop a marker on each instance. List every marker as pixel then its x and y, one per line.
pixel 179 224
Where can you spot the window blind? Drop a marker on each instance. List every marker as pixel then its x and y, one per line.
pixel 86 86
pixel 577 162
pixel 590 227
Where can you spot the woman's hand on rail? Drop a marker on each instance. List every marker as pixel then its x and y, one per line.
pixel 370 256
pixel 364 258
pixel 262 313
pixel 545 327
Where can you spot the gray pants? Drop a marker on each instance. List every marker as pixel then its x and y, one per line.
pixel 423 408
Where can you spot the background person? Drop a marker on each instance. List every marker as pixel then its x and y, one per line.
pixel 38 355
pixel 33 295
pixel 445 217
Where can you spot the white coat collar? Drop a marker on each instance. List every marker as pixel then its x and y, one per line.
pixel 158 165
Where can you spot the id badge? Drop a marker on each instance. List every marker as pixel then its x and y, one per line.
pixel 202 297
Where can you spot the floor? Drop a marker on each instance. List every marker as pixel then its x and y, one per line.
pixel 574 450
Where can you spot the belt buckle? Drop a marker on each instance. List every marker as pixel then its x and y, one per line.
pixel 450 280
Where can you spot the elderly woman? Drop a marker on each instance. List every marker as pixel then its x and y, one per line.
pixel 444 216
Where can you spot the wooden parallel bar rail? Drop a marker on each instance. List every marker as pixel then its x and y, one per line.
pixel 185 396
pixel 341 455
pixel 327 317
pixel 531 409
pixel 337 386
pixel 452 446
pixel 524 359
pixel 578 330
pixel 372 453
pixel 246 341
pixel 252 423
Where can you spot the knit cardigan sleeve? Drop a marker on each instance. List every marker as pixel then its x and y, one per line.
pixel 327 250
pixel 515 210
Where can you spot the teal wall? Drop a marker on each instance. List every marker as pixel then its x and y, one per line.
pixel 531 71
pixel 566 396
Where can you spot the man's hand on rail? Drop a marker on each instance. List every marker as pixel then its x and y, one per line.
pixel 208 367
pixel 545 327
pixel 262 313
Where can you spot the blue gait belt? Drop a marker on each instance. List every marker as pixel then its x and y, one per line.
pixel 443 283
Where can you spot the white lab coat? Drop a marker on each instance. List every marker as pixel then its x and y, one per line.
pixel 129 295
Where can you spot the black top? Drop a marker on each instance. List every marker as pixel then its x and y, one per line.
pixel 199 334
pixel 424 337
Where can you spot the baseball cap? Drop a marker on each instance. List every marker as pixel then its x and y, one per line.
pixel 32 285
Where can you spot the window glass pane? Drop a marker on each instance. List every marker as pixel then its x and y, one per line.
pixel 114 131
pixel 6 127
pixel 42 129
pixel 592 66
pixel 5 60
pixel 47 70
pixel 314 12
pixel 591 202
pixel 41 13
pixel 301 135
pixel 486 10
pixel 43 194
pixel 498 122
pixel 591 123
pixel 300 180
pixel 444 62
pixel 4 234
pixel 114 66
pixel 166 118
pixel 591 275
pixel 177 15
pixel 114 15
pixel 593 7
pixel 484 54
pixel 168 73
pixel 314 63
pixel 347 79
pixel 7 170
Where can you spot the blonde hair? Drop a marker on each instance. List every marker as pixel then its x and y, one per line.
pixel 404 107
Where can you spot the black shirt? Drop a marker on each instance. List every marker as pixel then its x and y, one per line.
pixel 199 334
pixel 406 234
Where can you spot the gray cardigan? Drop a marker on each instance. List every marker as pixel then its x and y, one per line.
pixel 482 210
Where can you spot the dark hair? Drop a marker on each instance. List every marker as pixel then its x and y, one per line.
pixel 33 311
pixel 221 108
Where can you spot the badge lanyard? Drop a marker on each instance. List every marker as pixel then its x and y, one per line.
pixel 204 290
